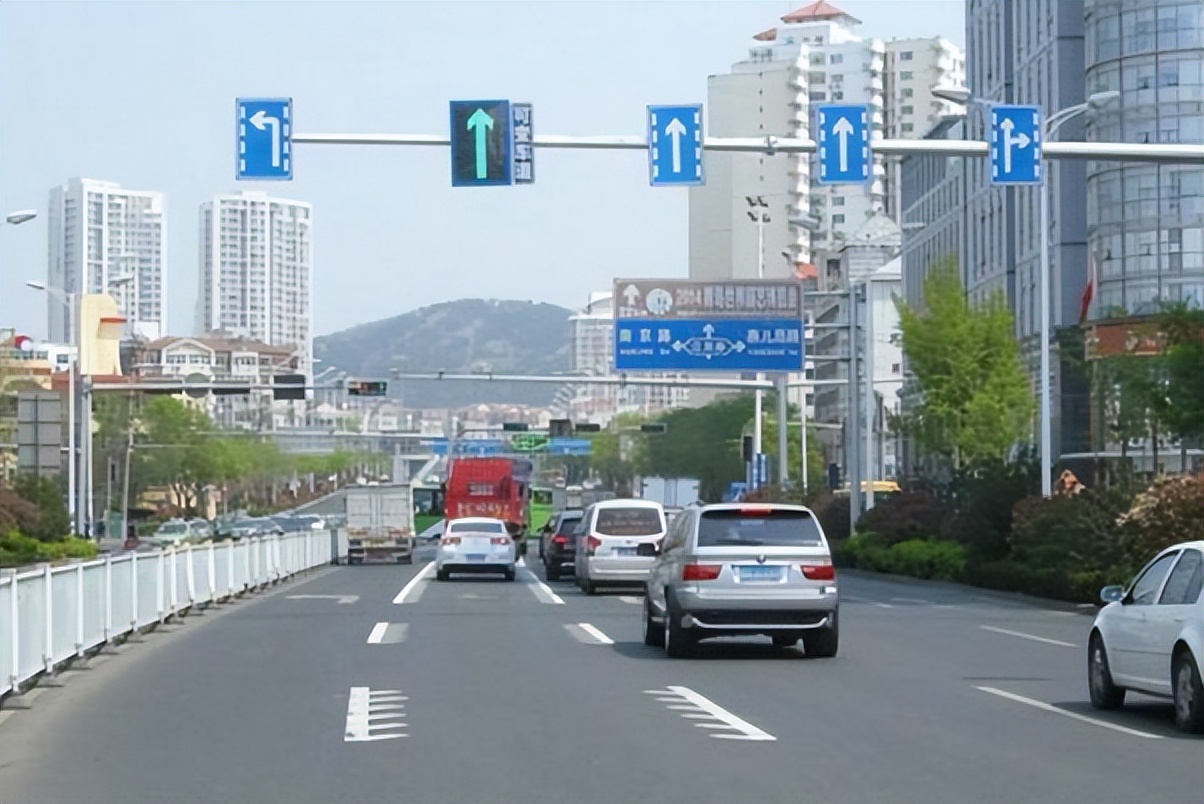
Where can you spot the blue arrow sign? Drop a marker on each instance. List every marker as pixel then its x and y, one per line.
pixel 675 145
pixel 844 144
pixel 1015 145
pixel 645 344
pixel 264 131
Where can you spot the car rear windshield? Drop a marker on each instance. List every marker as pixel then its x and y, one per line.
pixel 628 522
pixel 477 527
pixel 568 524
pixel 768 528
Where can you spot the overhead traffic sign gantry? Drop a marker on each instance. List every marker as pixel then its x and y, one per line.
pixel 481 143
pixel 675 145
pixel 844 144
pixel 1015 146
pixel 264 128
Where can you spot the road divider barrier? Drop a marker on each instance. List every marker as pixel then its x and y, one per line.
pixel 53 615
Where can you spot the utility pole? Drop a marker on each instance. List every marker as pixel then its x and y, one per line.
pixel 869 463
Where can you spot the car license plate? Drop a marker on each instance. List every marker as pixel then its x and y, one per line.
pixel 624 551
pixel 760 573
pixel 475 556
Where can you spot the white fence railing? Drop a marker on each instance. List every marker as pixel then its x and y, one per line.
pixel 51 615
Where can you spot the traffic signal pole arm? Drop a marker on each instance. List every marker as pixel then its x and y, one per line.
pixel 1173 153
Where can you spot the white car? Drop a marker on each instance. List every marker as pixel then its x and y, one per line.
pixel 608 539
pixel 1150 637
pixel 475 544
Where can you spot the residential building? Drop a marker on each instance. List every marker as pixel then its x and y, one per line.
pixel 814 56
pixel 256 255
pixel 106 239
pixel 592 354
pixel 914 67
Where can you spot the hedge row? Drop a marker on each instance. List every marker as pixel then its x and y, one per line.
pixel 16 549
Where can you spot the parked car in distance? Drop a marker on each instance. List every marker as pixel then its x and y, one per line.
pixel 610 533
pixel 737 569
pixel 1150 637
pixel 558 543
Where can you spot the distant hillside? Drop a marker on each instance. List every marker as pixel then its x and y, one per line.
pixel 506 337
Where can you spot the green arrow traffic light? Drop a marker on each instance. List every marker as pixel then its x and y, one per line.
pixel 482 145
pixel 481 122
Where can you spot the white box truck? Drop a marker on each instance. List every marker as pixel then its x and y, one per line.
pixel 380 524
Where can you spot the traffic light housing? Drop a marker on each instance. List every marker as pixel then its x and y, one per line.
pixel 367 387
pixel 588 427
pixel 560 428
pixel 654 427
pixel 288 387
pixel 515 427
pixel 481 143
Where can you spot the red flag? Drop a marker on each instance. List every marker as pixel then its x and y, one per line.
pixel 1088 292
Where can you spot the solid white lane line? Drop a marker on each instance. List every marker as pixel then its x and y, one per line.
pixel 387 634
pixel 378 633
pixel 364 710
pixel 413 584
pixel 911 600
pixel 1011 696
pixel 631 599
pixel 718 718
pixel 543 593
pixel 862 600
pixel 596 634
pixel 1023 635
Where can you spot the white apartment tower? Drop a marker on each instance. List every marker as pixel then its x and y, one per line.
pixel 256 255
pixel 814 56
pixel 105 239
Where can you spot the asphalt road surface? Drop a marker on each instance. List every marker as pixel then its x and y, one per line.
pixel 377 683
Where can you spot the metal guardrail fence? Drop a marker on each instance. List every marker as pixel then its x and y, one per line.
pixel 52 615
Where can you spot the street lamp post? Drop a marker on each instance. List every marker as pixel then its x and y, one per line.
pixel 20 216
pixel 963 96
pixel 760 219
pixel 69 300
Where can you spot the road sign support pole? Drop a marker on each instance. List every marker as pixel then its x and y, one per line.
pixel 1043 273
pixel 869 464
pixel 783 431
pixel 759 398
pixel 852 440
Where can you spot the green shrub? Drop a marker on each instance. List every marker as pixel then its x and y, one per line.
pixel 919 558
pixel 17 549
pixel 52 521
pixel 832 511
pixel 903 517
pixel 1169 512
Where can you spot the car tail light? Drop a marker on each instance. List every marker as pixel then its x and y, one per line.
pixel 449 540
pixel 756 511
pixel 819 571
pixel 500 540
pixel 592 544
pixel 560 540
pixel 700 572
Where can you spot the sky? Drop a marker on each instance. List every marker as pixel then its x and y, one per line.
pixel 143 94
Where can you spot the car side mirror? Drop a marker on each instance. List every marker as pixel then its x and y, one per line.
pixel 1112 594
pixel 647 550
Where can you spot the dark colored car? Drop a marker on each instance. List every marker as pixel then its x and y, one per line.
pixel 560 543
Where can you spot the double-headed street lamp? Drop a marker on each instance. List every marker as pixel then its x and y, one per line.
pixel 20 216
pixel 964 97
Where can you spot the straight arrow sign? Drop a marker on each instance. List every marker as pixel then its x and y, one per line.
pixel 481 123
pixel 843 130
pixel 676 130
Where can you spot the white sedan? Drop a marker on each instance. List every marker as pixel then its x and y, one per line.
pixel 475 544
pixel 1150 637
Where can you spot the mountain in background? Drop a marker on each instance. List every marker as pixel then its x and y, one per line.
pixel 469 335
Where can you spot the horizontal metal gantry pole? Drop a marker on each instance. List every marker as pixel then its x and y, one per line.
pixel 570 379
pixel 1175 153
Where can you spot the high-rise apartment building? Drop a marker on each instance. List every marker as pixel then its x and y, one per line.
pixel 106 239
pixel 814 56
pixel 256 256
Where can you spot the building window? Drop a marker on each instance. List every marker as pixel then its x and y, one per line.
pixel 837 96
pixel 838 201
pixel 906 75
pixel 908 109
pixel 906 55
pixel 907 128
pixel 838 219
pixel 837 58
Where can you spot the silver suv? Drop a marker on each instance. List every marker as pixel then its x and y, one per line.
pixel 740 569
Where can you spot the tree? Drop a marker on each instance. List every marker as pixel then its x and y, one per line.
pixel 1184 366
pixel 976 401
pixel 702 443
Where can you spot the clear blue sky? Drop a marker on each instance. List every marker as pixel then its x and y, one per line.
pixel 143 94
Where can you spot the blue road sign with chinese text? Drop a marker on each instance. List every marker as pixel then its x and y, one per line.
pixel 643 344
